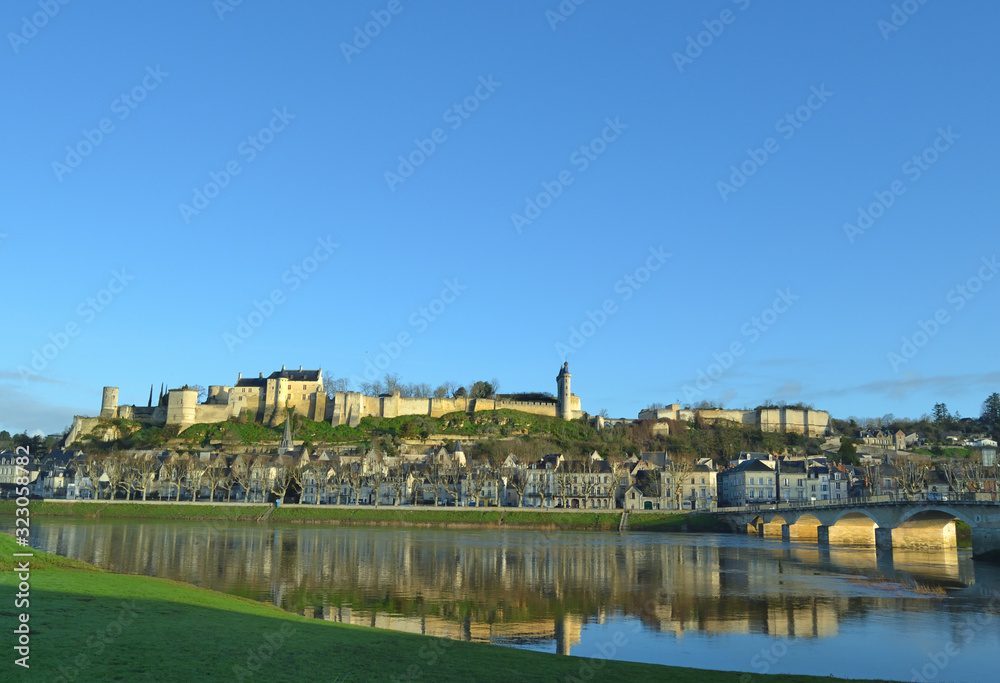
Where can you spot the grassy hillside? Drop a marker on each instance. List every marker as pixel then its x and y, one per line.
pixel 496 432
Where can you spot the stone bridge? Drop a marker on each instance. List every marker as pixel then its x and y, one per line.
pixel 884 524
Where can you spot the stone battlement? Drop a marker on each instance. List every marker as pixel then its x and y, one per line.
pixel 268 400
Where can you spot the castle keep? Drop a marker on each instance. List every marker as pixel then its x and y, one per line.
pixel 268 399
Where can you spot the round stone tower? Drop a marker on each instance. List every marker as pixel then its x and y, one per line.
pixel 564 408
pixel 218 394
pixel 182 406
pixel 109 403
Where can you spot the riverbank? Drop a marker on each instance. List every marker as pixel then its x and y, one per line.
pixel 89 625
pixel 492 518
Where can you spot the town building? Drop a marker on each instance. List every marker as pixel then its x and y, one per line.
pixel 751 482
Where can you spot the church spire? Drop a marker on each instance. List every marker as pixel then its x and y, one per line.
pixel 286 439
pixel 150 404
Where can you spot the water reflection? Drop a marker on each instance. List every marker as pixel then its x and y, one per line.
pixel 537 589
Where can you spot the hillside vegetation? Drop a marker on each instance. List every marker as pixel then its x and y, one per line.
pixel 492 433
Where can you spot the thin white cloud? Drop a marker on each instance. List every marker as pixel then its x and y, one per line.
pixel 20 412
pixel 909 383
pixel 16 376
pixel 791 388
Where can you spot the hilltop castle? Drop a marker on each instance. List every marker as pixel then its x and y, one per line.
pixel 269 399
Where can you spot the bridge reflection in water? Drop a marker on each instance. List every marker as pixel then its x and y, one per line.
pixel 529 588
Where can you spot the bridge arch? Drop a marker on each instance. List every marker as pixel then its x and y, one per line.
pixel 771 525
pixel 856 517
pixel 936 512
pixel 851 527
pixel 809 519
pixel 803 526
pixel 932 527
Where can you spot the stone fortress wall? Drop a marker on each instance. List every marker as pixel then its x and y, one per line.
pixel 268 400
pixel 803 421
pixel 348 407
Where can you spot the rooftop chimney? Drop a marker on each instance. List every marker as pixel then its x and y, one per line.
pixel 282 368
pixel 300 368
pixel 239 375
pixel 260 375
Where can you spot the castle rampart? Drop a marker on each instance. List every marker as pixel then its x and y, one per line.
pixel 778 419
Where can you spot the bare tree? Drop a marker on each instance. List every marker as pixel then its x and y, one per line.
pixel 873 477
pixel 515 477
pixel 115 468
pixel 336 474
pixel 452 483
pixel 89 470
pixel 590 477
pixel 287 473
pixel 214 474
pixel 195 473
pixel 396 483
pixel 373 388
pixel 913 474
pixel 227 481
pixel 977 474
pixel 433 476
pixel 392 383
pixel 681 469
pixel 319 473
pixel 172 472
pixel 241 472
pixel 143 472
pixel 619 476
pixel 355 480
pixel 334 384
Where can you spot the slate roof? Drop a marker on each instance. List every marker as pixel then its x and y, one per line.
pixel 296 375
pixel 291 375
pixel 657 458
pixel 251 382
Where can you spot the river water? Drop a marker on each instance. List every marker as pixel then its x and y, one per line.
pixel 708 601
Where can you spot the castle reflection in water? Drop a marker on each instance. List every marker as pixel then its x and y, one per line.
pixel 522 587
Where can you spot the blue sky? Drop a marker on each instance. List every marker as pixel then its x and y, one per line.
pixel 665 195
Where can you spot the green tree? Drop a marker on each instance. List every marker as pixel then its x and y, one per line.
pixel 941 415
pixel 991 410
pixel 847 453
pixel 483 389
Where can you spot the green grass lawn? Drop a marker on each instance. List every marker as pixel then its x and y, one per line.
pixel 120 510
pixel 89 625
